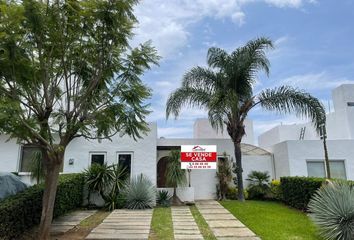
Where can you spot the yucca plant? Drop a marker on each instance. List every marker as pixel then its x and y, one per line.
pixel 332 210
pixel 164 198
pixel 98 179
pixel 139 193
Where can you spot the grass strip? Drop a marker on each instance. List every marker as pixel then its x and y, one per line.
pixel 161 224
pixel 202 224
pixel 273 220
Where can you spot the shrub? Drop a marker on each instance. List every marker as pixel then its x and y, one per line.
pixel 275 190
pixel 297 191
pixel 164 198
pixel 332 209
pixel 22 211
pixel 224 176
pixel 139 193
pixel 259 185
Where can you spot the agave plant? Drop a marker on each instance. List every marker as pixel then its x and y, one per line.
pixel 332 210
pixel 164 198
pixel 139 193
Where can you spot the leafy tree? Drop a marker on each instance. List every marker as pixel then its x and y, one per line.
pixel 175 175
pixel 36 167
pixel 225 89
pixel 67 71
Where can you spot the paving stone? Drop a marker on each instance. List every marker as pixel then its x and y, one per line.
pixel 184 223
pixel 124 224
pixel 214 210
pixel 185 227
pixel 233 232
pixel 239 238
pixel 225 216
pixel 114 236
pixel 224 223
pixel 188 237
pixel 64 223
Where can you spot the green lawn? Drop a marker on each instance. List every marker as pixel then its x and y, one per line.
pixel 161 224
pixel 272 220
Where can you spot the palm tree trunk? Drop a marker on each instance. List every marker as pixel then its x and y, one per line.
pixel 239 170
pixel 328 171
pixel 51 183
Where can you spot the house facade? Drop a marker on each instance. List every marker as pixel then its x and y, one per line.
pixel 282 151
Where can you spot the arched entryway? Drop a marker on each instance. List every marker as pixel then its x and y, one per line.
pixel 161 172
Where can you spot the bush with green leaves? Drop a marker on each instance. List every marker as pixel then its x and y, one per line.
pixel 332 210
pixel 258 187
pixel 22 211
pixel 297 191
pixel 108 182
pixel 139 193
pixel 275 190
pixel 164 198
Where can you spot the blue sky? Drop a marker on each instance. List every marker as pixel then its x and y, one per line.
pixel 314 48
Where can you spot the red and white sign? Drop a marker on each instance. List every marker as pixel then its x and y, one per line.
pixel 198 156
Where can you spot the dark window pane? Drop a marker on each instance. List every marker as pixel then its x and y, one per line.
pixel 97 159
pixel 26 157
pixel 125 160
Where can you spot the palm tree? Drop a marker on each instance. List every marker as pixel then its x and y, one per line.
pixel 174 174
pixel 225 89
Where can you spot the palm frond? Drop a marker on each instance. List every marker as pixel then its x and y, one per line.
pixel 217 57
pixel 201 78
pixel 286 99
pixel 185 96
pixel 175 176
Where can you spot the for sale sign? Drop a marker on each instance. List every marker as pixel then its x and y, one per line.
pixel 198 156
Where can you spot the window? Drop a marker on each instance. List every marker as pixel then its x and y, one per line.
pixel 125 160
pixel 350 104
pixel 26 158
pixel 98 158
pixel 27 152
pixel 317 169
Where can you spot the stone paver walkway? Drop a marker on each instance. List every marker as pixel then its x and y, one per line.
pixel 184 225
pixel 223 224
pixel 124 224
pixel 64 223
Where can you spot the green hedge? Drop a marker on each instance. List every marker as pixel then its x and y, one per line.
pixel 297 191
pixel 22 211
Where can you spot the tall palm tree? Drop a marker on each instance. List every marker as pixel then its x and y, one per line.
pixel 225 89
pixel 175 176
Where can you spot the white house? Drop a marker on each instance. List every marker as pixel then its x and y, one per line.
pixel 282 151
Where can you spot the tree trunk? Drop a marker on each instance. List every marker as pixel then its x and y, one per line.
pixel 50 190
pixel 239 170
pixel 328 171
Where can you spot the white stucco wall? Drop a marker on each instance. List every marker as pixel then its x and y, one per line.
pixel 202 129
pixel 296 153
pixel 204 181
pixel 143 151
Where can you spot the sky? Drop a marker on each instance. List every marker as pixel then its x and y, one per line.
pixel 314 48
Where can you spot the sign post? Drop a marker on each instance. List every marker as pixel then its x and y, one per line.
pixel 198 156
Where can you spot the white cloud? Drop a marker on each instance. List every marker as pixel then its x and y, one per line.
pixel 315 81
pixel 167 23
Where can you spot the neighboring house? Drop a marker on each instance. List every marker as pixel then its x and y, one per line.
pixel 286 155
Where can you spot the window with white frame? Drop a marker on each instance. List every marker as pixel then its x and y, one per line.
pixel 125 160
pixel 98 158
pixel 317 168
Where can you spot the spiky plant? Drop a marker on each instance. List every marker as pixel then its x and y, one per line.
pixel 175 175
pixel 139 193
pixel 98 179
pixel 225 89
pixel 164 198
pixel 332 210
